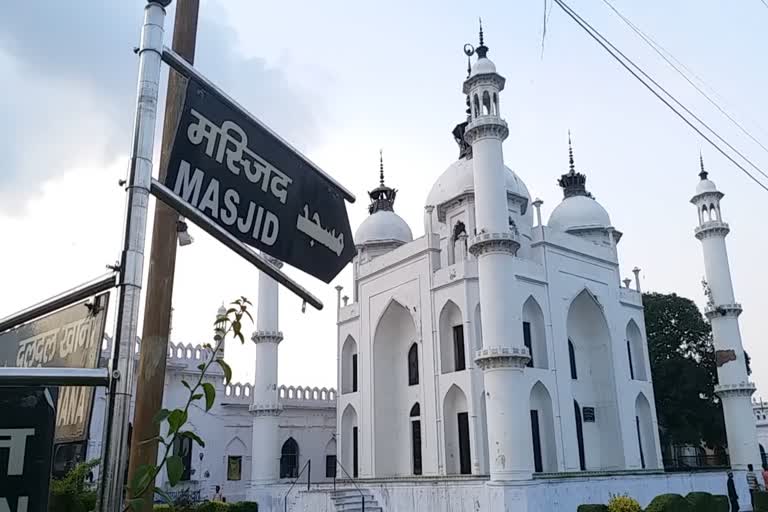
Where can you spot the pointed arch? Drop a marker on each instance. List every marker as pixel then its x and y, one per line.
pixel 350 440
pixel 394 334
pixel 478 329
pixel 289 459
pixel 476 105
pixel 416 439
pixel 413 365
pixel 456 425
pixel 486 103
pixel 349 366
pixel 235 446
pixel 542 429
pixel 534 333
pixel 588 332
pixel 330 447
pixel 415 410
pixel 579 435
pixel 452 345
pixel 646 440
pixel 636 352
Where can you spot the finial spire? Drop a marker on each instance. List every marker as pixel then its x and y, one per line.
pixel 481 30
pixel 481 50
pixel 571 165
pixel 573 183
pixel 382 197
pixel 381 167
pixel 703 174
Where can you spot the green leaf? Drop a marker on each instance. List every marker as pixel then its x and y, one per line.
pixel 161 415
pixel 196 396
pixel 227 370
pixel 210 395
pixel 135 503
pixel 176 419
pixel 166 497
pixel 175 468
pixel 186 384
pixel 194 437
pixel 151 440
pixel 249 315
pixel 240 335
pixel 142 478
pixel 201 366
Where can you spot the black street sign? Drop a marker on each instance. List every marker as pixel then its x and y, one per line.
pixel 68 338
pixel 243 177
pixel 26 447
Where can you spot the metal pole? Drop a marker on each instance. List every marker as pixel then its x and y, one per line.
pixel 54 377
pixel 132 257
pixel 309 472
pixel 167 196
pixel 150 379
pixel 59 301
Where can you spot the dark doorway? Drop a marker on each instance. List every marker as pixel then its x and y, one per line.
pixel 354 372
pixel 354 452
pixel 416 446
pixel 763 456
pixel 465 465
pixel 640 442
pixel 537 464
pixel 458 347
pixel 289 459
pixel 527 342
pixel 579 434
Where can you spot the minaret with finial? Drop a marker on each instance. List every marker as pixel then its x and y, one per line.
pixel 382 197
pixel 504 356
pixel 734 388
pixel 573 183
pixel 265 406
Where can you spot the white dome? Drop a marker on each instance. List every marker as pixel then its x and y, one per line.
pixel 483 66
pixel 383 226
pixel 705 185
pixel 578 212
pixel 459 179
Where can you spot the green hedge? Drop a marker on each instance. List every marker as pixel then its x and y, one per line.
pixel 592 508
pixel 214 506
pixel 670 503
pixel 721 503
pixel 701 501
pixel 761 501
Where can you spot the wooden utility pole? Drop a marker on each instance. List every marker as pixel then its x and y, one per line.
pixel 150 379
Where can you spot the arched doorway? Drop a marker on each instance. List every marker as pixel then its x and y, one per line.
pixel 289 459
pixel 349 366
pixel 534 334
pixel 456 424
pixel 579 435
pixel 393 337
pixel 646 441
pixel 349 441
pixel 452 348
pixel 595 386
pixel 415 418
pixel 542 430
pixel 635 352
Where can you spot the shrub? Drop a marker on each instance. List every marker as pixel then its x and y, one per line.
pixel 244 506
pixel 69 494
pixel 701 501
pixel 592 508
pixel 761 501
pixel 669 503
pixel 623 504
pixel 214 506
pixel 720 503
pixel 161 507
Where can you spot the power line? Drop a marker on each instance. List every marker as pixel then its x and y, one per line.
pixel 660 50
pixel 599 38
pixel 765 3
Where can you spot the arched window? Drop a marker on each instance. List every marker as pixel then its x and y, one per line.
pixel 486 103
pixel 579 434
pixel 289 459
pixel 572 358
pixel 495 104
pixel 476 106
pixel 713 212
pixel 413 366
pixel 415 410
pixel 416 438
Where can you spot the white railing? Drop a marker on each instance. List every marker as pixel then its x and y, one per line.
pixel 306 393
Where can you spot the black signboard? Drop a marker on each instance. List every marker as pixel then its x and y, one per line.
pixel 27 425
pixel 589 415
pixel 68 338
pixel 243 177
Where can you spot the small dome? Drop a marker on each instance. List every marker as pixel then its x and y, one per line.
pixel 459 179
pixel 705 185
pixel 383 226
pixel 483 66
pixel 579 212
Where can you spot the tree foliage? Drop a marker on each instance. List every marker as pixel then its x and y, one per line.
pixel 682 359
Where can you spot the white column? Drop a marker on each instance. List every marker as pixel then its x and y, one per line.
pixel 504 354
pixel 265 406
pixel 734 389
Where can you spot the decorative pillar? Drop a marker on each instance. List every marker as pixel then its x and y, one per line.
pixel 734 388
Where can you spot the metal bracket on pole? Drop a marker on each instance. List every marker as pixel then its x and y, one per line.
pixel 54 377
pixel 167 196
pixel 59 301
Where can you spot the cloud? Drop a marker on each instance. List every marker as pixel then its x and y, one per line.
pixel 71 78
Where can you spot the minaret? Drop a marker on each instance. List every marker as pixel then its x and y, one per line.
pixel 504 355
pixel 265 459
pixel 722 310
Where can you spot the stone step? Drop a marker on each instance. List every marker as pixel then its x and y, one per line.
pixel 352 500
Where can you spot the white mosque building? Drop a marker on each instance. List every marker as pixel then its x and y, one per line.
pixel 494 363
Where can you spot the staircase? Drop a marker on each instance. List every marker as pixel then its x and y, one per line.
pixel 350 500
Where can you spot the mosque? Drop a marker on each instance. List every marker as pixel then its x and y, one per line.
pixel 495 363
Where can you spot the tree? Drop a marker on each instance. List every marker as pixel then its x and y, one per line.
pixel 682 359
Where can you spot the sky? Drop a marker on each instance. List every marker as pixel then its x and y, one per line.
pixel 341 80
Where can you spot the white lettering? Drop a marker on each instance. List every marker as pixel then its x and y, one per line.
pixel 15 439
pixel 244 225
pixel 210 199
pixel 271 227
pixel 231 200
pixel 188 187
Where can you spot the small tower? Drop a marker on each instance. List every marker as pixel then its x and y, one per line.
pixel 722 310
pixel 265 406
pixel 504 355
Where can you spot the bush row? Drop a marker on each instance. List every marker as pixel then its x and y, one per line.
pixel 212 506
pixel 693 502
